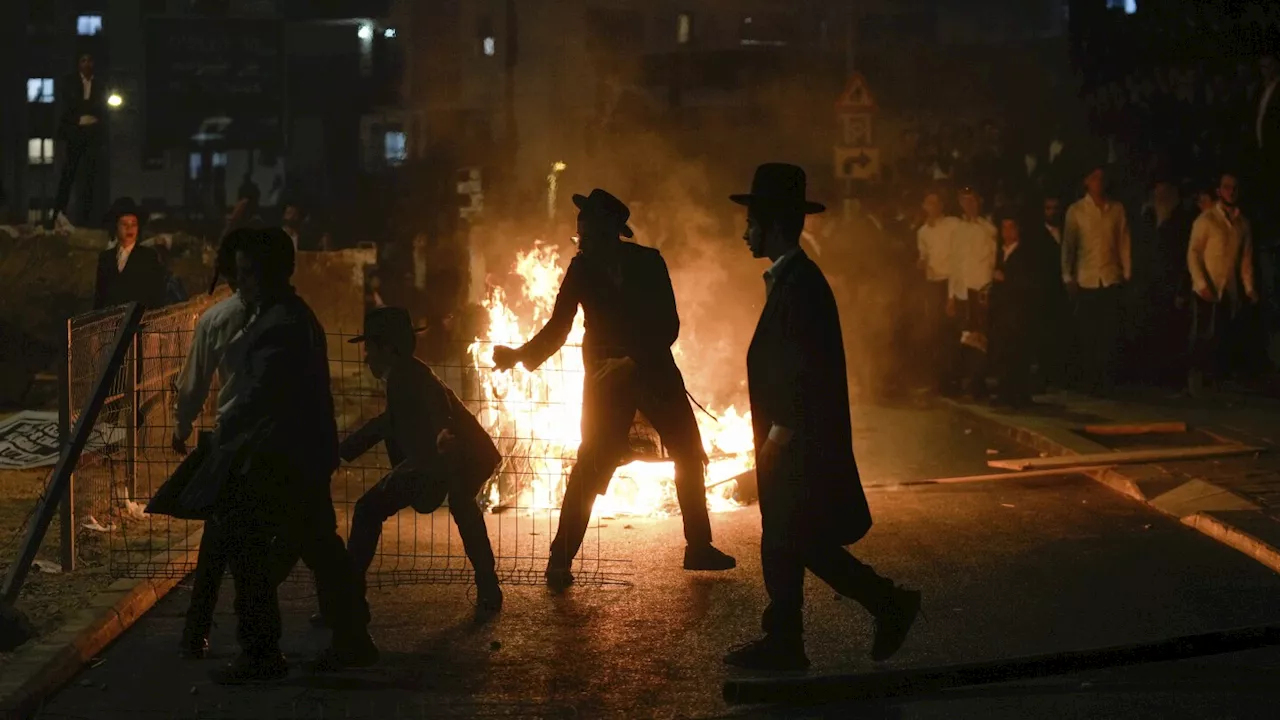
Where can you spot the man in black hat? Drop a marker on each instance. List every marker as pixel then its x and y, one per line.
pixel 437 448
pixel 81 126
pixel 128 272
pixel 811 499
pixel 275 507
pixel 631 322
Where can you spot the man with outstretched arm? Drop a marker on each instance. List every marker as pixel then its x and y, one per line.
pixel 625 292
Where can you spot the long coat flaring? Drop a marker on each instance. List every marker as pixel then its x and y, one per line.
pixel 796 378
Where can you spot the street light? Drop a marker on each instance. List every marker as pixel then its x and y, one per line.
pixel 365 32
pixel 114 100
pixel 389 33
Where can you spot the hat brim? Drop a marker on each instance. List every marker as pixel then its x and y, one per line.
pixel 581 202
pixel 362 338
pixel 808 207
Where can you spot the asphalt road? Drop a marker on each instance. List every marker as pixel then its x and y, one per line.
pixel 1008 568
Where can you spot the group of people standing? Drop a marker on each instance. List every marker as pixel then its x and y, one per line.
pixel 261 479
pixel 1016 292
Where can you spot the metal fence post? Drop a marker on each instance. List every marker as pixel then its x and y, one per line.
pixel 131 418
pixel 67 516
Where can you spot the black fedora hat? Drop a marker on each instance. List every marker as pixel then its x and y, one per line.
pixel 387 324
pixel 604 205
pixel 126 206
pixel 779 186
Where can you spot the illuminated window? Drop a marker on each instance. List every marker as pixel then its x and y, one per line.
pixel 195 163
pixel 684 28
pixel 1129 6
pixel 89 24
pixel 490 46
pixel 220 159
pixel 40 90
pixel 395 147
pixel 40 151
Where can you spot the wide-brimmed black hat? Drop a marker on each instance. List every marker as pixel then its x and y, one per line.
pixel 387 324
pixel 126 206
pixel 779 186
pixel 604 205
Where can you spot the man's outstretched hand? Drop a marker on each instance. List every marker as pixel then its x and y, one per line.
pixel 505 358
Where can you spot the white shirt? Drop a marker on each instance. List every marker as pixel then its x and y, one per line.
pixel 87 85
pixel 218 344
pixel 1262 108
pixel 1096 244
pixel 122 256
pixel 1220 254
pixel 933 241
pixel 1055 232
pixel 973 256
pixel 1007 250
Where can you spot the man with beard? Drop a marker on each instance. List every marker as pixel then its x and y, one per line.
pixel 811 498
pixel 631 322
pixel 275 505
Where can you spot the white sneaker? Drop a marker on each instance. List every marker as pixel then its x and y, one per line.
pixel 62 225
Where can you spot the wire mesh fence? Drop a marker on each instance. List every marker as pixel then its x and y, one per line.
pixel 534 423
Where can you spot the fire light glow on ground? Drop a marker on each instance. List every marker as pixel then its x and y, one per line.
pixel 535 416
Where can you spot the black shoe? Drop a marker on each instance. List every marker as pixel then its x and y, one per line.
pixel 893 624
pixel 707 557
pixel 558 578
pixel 356 653
pixel 317 620
pixel 245 670
pixel 193 648
pixel 488 602
pixel 775 653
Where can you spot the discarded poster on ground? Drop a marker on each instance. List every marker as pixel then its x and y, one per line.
pixel 29 439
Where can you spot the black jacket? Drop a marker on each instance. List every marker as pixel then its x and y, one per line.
pixel 1018 301
pixel 74 104
pixel 638 320
pixel 287 367
pixel 142 281
pixel 796 378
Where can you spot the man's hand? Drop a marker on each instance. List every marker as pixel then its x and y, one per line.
pixel 767 458
pixel 951 307
pixel 1206 294
pixel 1252 295
pixel 614 369
pixel 179 445
pixel 445 440
pixel 505 358
pixel 998 276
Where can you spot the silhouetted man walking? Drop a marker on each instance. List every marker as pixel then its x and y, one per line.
pixel 811 499
pixel 631 322
pixel 82 127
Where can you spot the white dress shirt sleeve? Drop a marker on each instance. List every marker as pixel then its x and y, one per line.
pixel 1070 246
pixel 194 381
pixel 1195 253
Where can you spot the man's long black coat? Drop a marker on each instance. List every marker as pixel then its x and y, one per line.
pixel 142 281
pixel 796 378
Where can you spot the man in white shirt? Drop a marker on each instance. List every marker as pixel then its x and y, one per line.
pixel 933 241
pixel 1096 262
pixel 973 264
pixel 1220 260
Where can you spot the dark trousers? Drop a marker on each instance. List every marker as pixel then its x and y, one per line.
pixel 1098 322
pixel 262 552
pixel 607 415
pixel 1012 353
pixel 84 144
pixel 785 557
pixel 425 494
pixel 1212 340
pixel 943 335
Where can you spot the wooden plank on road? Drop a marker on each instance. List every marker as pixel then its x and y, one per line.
pixel 1126 457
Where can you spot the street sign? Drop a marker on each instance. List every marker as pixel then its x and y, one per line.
pixel 856 130
pixel 856 97
pixel 857 163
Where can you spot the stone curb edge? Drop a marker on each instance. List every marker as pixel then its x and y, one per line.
pixel 1127 480
pixel 54 659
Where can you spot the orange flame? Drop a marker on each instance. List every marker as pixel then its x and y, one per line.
pixel 536 415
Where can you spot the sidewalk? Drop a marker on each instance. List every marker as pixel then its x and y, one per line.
pixel 1235 500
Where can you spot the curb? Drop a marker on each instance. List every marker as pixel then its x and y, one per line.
pixel 52 660
pixel 1212 510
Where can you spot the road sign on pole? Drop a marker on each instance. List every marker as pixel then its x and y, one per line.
pixel 857 163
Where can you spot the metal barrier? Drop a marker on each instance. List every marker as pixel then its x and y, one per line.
pixel 130 459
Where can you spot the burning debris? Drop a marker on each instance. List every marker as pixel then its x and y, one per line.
pixel 535 417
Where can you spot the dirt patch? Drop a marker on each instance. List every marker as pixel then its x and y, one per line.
pixel 48 599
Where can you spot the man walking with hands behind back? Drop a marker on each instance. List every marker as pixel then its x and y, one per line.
pixel 811 499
